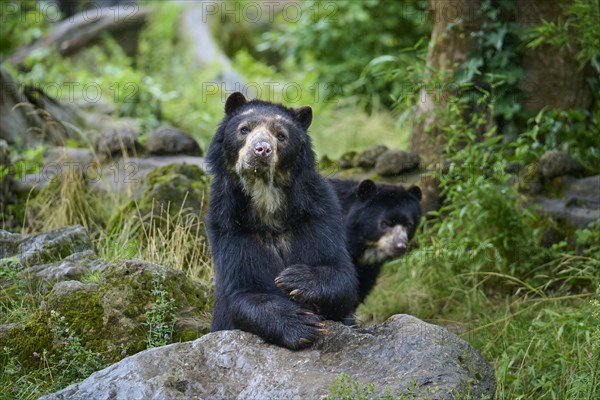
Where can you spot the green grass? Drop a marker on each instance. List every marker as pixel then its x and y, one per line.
pixel 541 347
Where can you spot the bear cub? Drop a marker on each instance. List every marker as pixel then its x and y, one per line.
pixel 380 220
pixel 275 228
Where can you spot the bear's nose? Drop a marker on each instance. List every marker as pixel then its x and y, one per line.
pixel 401 246
pixel 263 149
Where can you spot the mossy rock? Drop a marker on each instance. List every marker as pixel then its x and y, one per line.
pixel 80 304
pixel 346 161
pixel 22 340
pixel 182 189
pixel 44 247
pixel 112 313
pixel 110 316
pixel 128 299
pixel 367 158
pixel 529 181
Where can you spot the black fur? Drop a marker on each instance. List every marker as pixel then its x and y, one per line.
pixel 276 280
pixel 365 206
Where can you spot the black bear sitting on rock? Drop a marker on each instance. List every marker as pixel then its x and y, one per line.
pixel 275 228
pixel 380 220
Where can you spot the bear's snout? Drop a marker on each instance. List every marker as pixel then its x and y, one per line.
pixel 263 149
pixel 395 241
pixel 401 246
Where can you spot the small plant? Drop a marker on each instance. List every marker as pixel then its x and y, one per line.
pixel 158 320
pixel 176 240
pixel 577 28
pixel 68 361
pixel 346 388
pixel 92 277
pixel 73 361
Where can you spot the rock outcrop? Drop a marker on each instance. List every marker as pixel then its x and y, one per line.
pixel 402 356
pixel 108 305
pixel 169 140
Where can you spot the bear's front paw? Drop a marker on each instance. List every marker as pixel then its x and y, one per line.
pixel 302 330
pixel 299 282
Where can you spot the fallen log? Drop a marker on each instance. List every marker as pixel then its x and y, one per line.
pixel 85 28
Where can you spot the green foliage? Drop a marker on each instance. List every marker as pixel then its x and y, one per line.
pixel 481 209
pixel 23 22
pixel 542 349
pixel 339 40
pixel 158 324
pixel 69 361
pixel 574 131
pixel 577 28
pixel 101 73
pixel 346 388
pixel 478 262
pixel 189 97
pixel 17 301
pixel 29 161
pixel 494 63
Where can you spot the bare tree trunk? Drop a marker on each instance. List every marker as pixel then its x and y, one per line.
pixel 79 31
pixel 30 117
pixel 449 47
pixel 553 77
pixel 451 41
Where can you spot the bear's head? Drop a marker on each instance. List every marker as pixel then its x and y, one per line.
pixel 260 140
pixel 387 217
pixel 262 147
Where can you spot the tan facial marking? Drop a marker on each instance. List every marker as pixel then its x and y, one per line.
pixel 266 198
pixel 387 247
pixel 393 239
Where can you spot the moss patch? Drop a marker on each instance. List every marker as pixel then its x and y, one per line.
pixel 23 340
pixel 179 188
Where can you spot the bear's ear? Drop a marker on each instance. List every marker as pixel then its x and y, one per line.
pixel 366 189
pixel 304 115
pixel 233 102
pixel 415 191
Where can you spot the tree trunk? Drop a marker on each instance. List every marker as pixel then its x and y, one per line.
pixel 30 117
pixel 553 77
pixel 449 47
pixel 81 30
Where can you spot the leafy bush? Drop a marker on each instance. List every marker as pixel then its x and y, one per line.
pixel 579 29
pixel 339 40
pixel 13 32
pixel 574 131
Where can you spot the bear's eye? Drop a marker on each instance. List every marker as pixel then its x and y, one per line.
pixel 384 224
pixel 280 137
pixel 244 130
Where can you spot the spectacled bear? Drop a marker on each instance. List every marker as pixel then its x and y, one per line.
pixel 379 220
pixel 275 228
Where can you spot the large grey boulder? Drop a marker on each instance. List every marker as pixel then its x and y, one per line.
pixel 43 247
pixel 395 162
pixel 403 356
pixel 170 140
pixel 368 157
pixel 118 138
pixel 556 163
